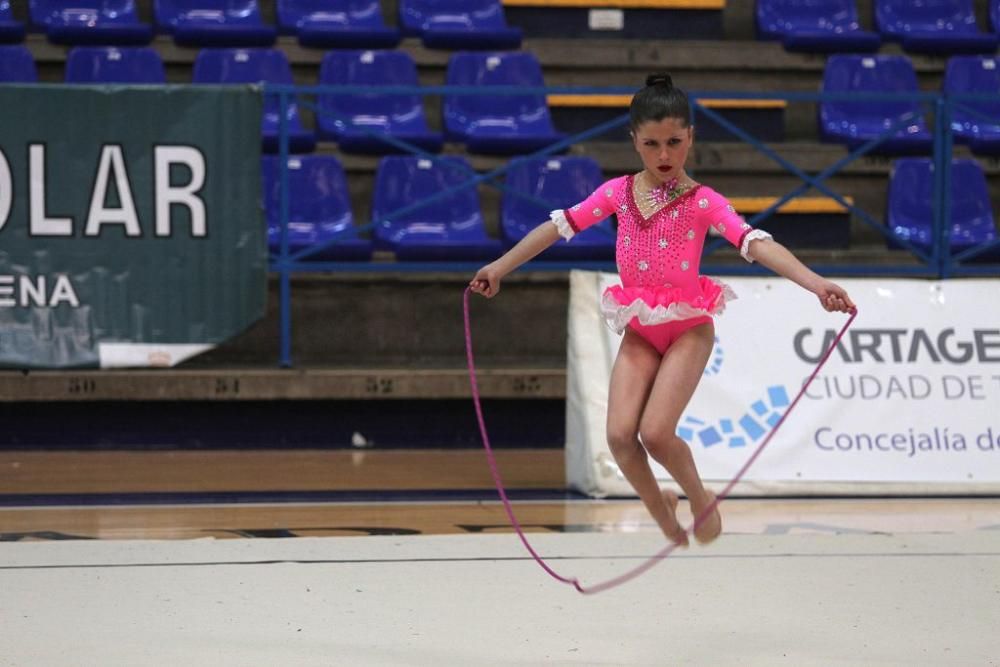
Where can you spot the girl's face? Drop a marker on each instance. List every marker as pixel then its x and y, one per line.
pixel 663 146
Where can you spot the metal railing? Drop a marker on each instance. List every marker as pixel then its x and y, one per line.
pixel 938 261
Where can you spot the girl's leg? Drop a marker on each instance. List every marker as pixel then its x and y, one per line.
pixel 676 379
pixel 631 378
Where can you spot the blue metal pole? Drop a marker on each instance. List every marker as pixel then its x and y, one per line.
pixel 937 218
pixel 284 268
pixel 947 263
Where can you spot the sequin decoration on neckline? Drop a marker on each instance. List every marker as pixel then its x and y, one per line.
pixel 664 193
pixel 633 203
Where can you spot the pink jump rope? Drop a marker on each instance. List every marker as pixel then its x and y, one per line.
pixel 663 553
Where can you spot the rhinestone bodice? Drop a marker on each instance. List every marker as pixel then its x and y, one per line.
pixel 659 256
pixel 663 250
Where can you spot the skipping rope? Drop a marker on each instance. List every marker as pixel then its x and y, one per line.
pixel 663 553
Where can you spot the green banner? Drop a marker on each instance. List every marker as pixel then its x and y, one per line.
pixel 131 232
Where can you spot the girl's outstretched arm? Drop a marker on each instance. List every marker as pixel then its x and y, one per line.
pixel 776 257
pixel 487 280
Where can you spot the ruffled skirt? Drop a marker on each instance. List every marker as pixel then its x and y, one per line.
pixel 656 305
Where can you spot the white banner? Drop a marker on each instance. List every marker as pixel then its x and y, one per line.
pixel 910 399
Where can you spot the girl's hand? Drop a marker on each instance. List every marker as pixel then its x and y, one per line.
pixel 834 298
pixel 486 282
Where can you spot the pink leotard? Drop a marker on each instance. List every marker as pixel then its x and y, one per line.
pixel 661 294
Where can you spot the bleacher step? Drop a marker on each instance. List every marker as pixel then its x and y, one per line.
pixel 231 384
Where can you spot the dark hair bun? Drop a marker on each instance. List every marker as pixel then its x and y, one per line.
pixel 660 79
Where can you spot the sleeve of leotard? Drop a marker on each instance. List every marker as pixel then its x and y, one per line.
pixel 598 206
pixel 724 221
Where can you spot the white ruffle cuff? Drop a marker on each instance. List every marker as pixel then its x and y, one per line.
pixel 558 218
pixel 758 234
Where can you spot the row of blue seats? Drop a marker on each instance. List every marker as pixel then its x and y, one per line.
pixel 973 122
pixel 452 227
pixel 935 26
pixel 502 124
pixel 832 26
pixel 448 24
pixel 507 124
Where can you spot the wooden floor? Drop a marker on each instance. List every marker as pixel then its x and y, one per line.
pixel 259 471
pixel 110 495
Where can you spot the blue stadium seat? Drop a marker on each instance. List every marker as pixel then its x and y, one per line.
pixel 102 22
pixel 214 22
pixel 17 65
pixel 398 116
pixel 498 124
pixel 337 24
pixel 855 123
pixel 975 75
pixel 554 183
pixel 111 64
pixel 230 66
pixel 910 205
pixel 815 26
pixel 10 30
pixel 933 26
pixel 995 15
pixel 450 228
pixel 458 24
pixel 319 208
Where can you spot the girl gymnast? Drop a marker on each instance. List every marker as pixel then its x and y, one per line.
pixel 663 306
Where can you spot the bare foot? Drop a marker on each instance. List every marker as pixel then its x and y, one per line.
pixel 676 532
pixel 711 527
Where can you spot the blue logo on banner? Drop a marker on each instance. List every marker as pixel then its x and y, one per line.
pixel 761 417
